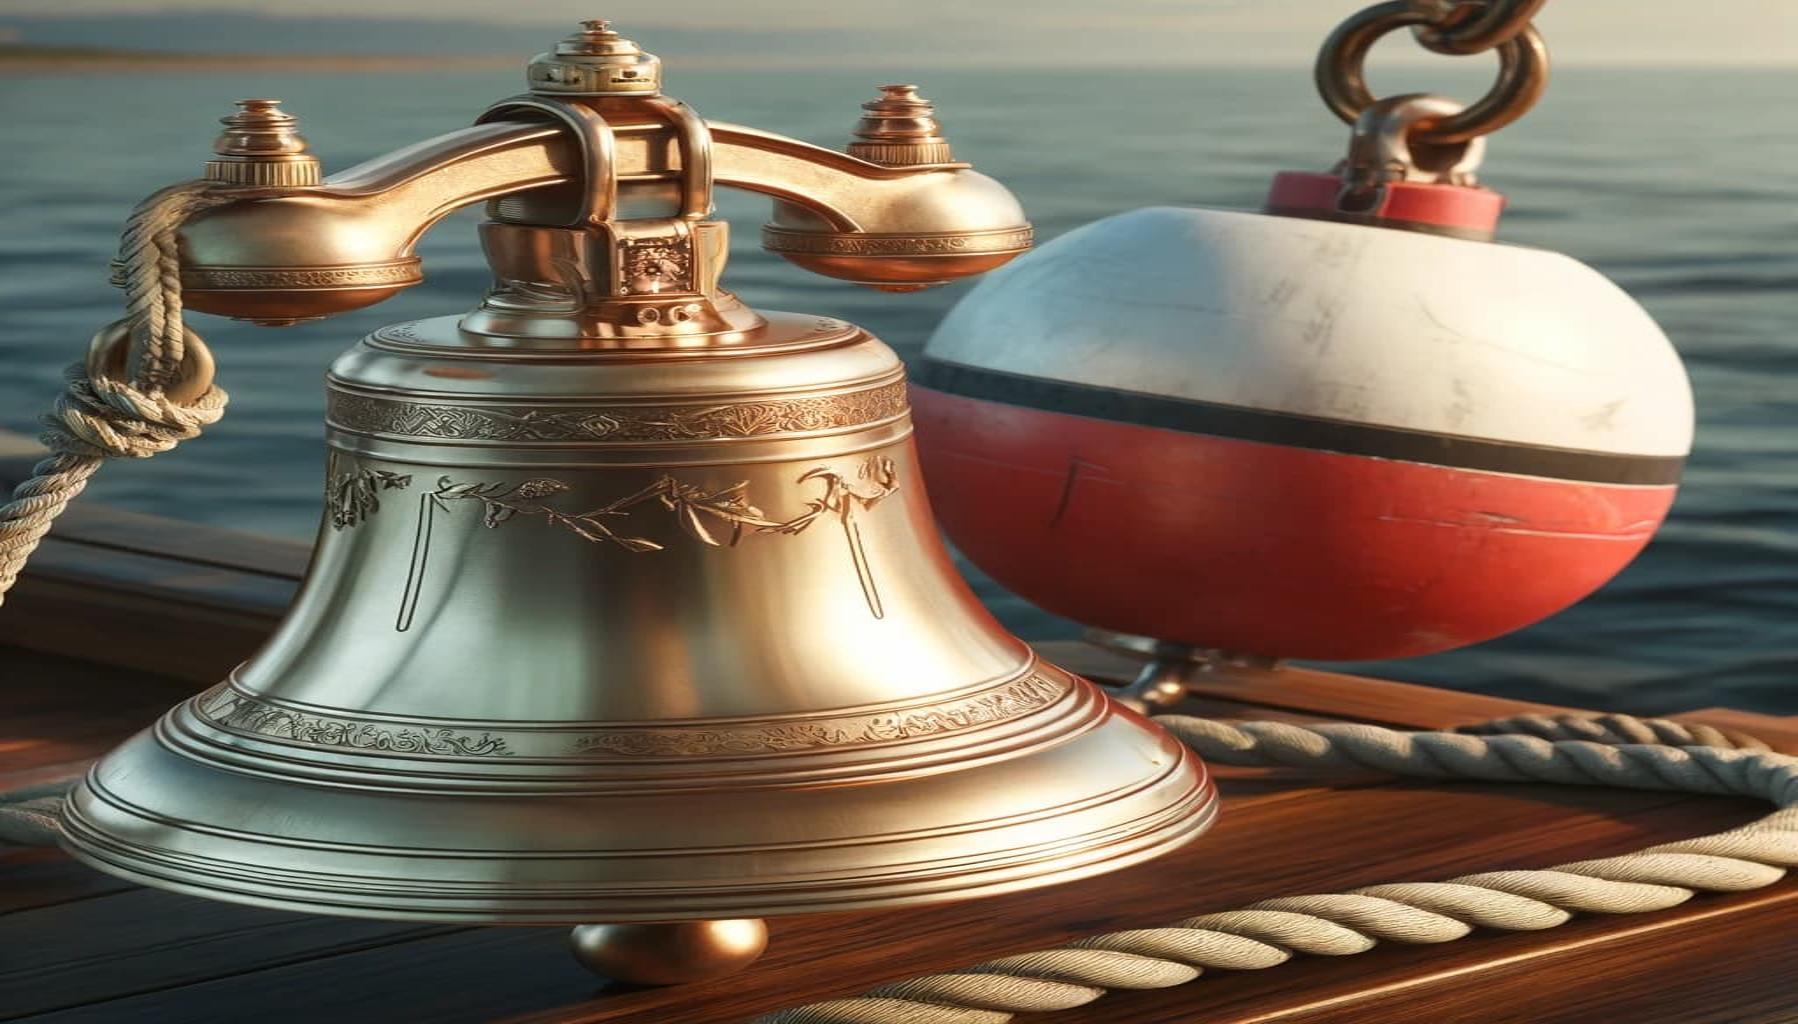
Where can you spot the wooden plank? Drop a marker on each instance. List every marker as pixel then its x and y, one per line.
pixel 1779 732
pixel 142 611
pixel 56 712
pixel 144 940
pixel 177 598
pixel 467 977
pixel 31 878
pixel 104 526
pixel 1327 844
pixel 1313 691
pixel 1329 840
pixel 1334 695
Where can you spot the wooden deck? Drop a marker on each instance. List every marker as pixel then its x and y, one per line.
pixel 123 615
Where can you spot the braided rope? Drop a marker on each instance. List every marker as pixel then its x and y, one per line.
pixel 99 416
pixel 1613 750
pixel 28 816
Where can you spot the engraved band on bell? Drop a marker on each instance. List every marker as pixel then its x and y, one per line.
pixel 562 423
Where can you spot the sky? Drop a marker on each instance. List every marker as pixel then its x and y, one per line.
pixel 1581 32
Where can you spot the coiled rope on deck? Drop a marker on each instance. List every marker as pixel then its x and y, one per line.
pixel 1613 750
pixel 102 416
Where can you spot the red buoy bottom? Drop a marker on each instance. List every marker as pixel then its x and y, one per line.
pixel 1265 548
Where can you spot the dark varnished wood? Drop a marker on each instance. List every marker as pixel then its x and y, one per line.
pixel 77 946
pixel 143 940
pixel 1270 845
pixel 186 601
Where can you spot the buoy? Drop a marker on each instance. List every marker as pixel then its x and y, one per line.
pixel 1347 427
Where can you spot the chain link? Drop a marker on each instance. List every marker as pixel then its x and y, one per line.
pixel 1474 26
pixel 1341 76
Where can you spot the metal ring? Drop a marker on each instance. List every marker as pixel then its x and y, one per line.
pixel 599 151
pixel 110 354
pixel 1386 147
pixel 1475 26
pixel 693 138
pixel 1341 75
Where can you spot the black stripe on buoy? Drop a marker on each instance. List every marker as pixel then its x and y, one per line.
pixel 1298 431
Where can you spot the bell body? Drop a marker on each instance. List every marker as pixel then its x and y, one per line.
pixel 1299 438
pixel 593 635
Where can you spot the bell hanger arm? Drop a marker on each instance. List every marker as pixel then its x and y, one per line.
pixel 284 253
pixel 423 183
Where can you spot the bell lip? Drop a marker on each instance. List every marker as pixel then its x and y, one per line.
pixel 1171 825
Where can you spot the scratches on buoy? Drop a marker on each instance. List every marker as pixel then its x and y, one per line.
pixel 1076 465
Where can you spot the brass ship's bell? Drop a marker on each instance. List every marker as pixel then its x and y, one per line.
pixel 627 604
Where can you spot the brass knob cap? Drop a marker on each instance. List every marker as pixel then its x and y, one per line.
pixel 669 953
pixel 900 130
pixel 261 147
pixel 596 61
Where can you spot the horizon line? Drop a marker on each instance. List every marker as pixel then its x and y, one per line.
pixel 51 57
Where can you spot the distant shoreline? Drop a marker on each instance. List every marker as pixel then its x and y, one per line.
pixel 30 59
pixel 78 60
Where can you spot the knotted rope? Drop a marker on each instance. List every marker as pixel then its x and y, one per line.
pixel 103 415
pixel 1614 750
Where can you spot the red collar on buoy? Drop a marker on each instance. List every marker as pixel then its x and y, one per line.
pixel 1463 211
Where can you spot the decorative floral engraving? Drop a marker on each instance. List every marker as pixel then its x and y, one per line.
pixel 1009 701
pixel 352 495
pixel 715 516
pixel 781 240
pixel 232 710
pixel 619 423
pixel 841 499
pixel 652 266
pixel 696 509
pixel 405 272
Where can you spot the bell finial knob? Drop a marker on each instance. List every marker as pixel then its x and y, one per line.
pixel 261 146
pixel 899 129
pixel 596 61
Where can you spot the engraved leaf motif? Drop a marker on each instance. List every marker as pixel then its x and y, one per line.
pixel 690 521
pixel 589 527
pixel 698 511
pixel 539 487
pixel 353 496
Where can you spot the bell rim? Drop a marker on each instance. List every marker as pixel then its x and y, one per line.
pixel 1171 824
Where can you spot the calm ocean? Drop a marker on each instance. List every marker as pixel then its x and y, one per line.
pixel 1679 184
